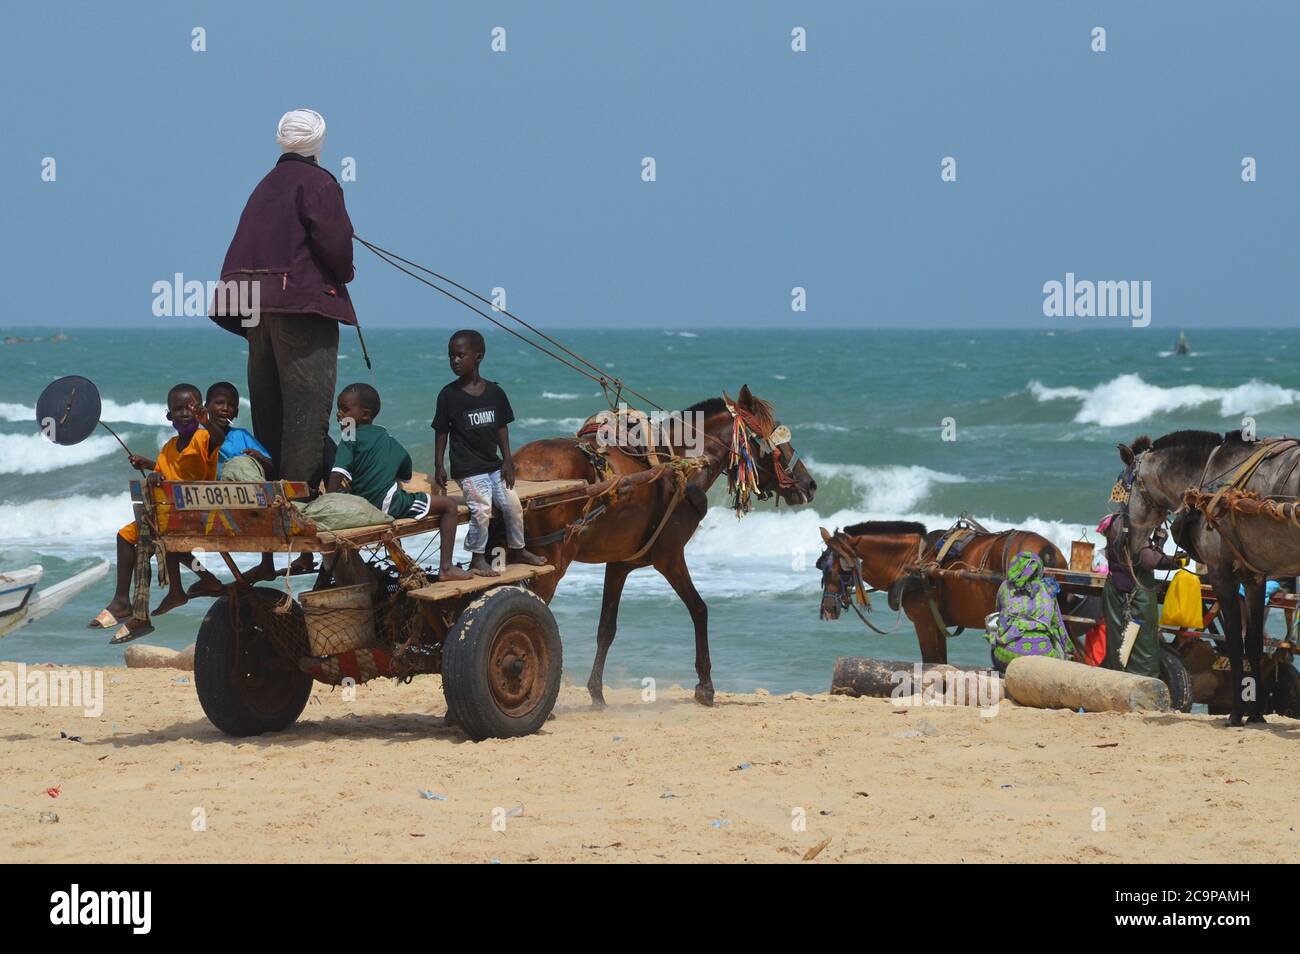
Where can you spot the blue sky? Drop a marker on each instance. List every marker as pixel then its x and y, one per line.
pixel 775 169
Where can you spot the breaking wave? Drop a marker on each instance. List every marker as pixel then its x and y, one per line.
pixel 137 412
pixel 77 518
pixel 34 454
pixel 1128 399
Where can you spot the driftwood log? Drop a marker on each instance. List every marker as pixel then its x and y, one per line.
pixel 1047 683
pixel 892 678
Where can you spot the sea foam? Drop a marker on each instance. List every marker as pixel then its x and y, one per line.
pixel 1128 399
pixel 137 412
pixel 35 454
pixel 77 518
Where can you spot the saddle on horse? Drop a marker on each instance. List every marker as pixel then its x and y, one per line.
pixel 630 430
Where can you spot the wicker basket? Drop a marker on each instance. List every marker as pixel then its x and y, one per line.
pixel 339 619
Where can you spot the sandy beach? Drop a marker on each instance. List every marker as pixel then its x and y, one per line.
pixel 758 778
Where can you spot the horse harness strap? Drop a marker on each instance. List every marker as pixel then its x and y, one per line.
pixel 1240 477
pixel 679 491
pixel 932 602
pixel 1246 469
pixel 950 540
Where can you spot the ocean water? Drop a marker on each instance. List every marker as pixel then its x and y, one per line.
pixel 1037 416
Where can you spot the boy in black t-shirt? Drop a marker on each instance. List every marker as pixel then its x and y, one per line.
pixel 474 413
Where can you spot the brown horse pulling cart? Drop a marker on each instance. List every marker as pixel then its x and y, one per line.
pixel 494 641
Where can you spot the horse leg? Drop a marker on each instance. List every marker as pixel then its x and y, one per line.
pixel 675 571
pixel 933 641
pixel 615 577
pixel 1225 589
pixel 558 556
pixel 1255 648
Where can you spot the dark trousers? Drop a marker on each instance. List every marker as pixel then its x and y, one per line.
pixel 292 368
pixel 1139 607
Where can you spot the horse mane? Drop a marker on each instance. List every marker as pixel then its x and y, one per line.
pixel 706 407
pixel 1190 440
pixel 762 410
pixel 882 528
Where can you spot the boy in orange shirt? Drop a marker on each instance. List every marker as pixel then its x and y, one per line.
pixel 190 455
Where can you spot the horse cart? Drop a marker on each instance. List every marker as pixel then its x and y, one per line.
pixel 372 611
pixel 934 578
pixel 1193 663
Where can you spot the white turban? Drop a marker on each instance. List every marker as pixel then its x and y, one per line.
pixel 301 131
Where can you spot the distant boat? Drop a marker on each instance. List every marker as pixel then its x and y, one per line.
pixel 1182 347
pixel 20 603
pixel 60 336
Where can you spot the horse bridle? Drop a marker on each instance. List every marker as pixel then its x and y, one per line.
pixel 1131 481
pixel 850 580
pixel 777 443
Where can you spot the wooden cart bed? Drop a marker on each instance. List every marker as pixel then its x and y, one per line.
pixel 227 517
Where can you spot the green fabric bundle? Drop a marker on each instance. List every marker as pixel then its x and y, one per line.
pixel 342 512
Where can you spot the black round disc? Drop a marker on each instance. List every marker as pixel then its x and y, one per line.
pixel 68 409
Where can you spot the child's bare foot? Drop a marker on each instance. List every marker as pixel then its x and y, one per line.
pixel 206 586
pixel 523 556
pixel 479 566
pixel 262 573
pixel 305 563
pixel 453 572
pixel 173 599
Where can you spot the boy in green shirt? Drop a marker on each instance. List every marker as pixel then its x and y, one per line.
pixel 371 463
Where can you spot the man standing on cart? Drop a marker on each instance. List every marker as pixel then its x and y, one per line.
pixel 294 239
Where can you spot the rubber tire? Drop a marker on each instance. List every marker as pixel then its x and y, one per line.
pixel 1174 674
pixel 1284 697
pixel 228 704
pixel 470 702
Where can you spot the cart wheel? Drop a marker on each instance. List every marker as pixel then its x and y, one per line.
pixel 244 686
pixel 1174 674
pixel 1284 699
pixel 501 665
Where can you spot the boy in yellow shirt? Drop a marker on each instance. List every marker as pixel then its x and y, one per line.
pixel 190 455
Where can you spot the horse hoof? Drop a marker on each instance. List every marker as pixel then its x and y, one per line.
pixel 1256 719
pixel 1235 722
pixel 598 700
pixel 704 696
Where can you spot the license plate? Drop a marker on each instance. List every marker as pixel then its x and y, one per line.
pixel 226 495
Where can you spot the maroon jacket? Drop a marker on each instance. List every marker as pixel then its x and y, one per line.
pixel 296 238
